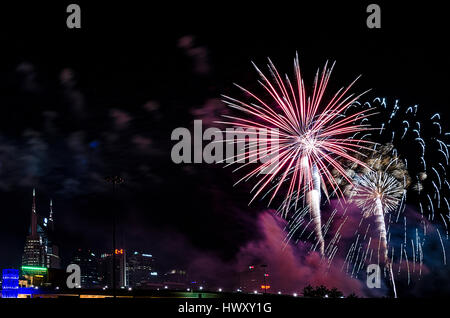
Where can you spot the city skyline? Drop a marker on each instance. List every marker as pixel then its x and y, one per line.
pixel 39 251
pixel 136 270
pixel 135 90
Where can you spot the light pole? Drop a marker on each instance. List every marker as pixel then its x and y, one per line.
pixel 114 180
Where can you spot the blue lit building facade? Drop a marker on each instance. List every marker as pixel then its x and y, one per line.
pixel 10 283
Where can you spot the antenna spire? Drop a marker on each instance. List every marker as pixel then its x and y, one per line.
pixel 34 201
pixel 51 210
pixel 33 216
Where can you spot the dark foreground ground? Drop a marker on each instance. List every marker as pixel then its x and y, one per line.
pixel 215 304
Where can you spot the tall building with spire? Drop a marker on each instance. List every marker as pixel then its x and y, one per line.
pixel 54 260
pixel 40 249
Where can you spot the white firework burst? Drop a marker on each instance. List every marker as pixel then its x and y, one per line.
pixel 377 193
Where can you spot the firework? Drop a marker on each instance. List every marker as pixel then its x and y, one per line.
pixel 311 134
pixel 414 152
pixel 412 147
pixel 424 146
pixel 377 193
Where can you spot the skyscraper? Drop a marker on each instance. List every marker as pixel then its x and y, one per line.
pixel 40 249
pixel 51 249
pixel 33 254
pixel 106 267
pixel 141 269
pixel 88 263
pixel 254 278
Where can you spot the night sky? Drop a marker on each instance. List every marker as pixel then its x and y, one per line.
pixel 79 105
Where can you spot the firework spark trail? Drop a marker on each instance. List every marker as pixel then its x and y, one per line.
pixel 313 198
pixel 443 249
pixel 407 264
pixel 381 226
pixel 335 240
pixel 311 135
pixel 413 256
pixel 392 280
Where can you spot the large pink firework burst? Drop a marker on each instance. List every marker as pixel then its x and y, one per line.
pixel 310 135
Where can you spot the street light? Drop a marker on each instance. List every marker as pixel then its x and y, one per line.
pixel 114 180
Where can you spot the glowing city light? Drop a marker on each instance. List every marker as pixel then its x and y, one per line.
pixel 34 268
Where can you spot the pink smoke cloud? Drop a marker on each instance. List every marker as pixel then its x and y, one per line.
pixel 121 118
pixel 198 54
pixel 294 267
pixel 143 143
pixel 291 267
pixel 210 112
